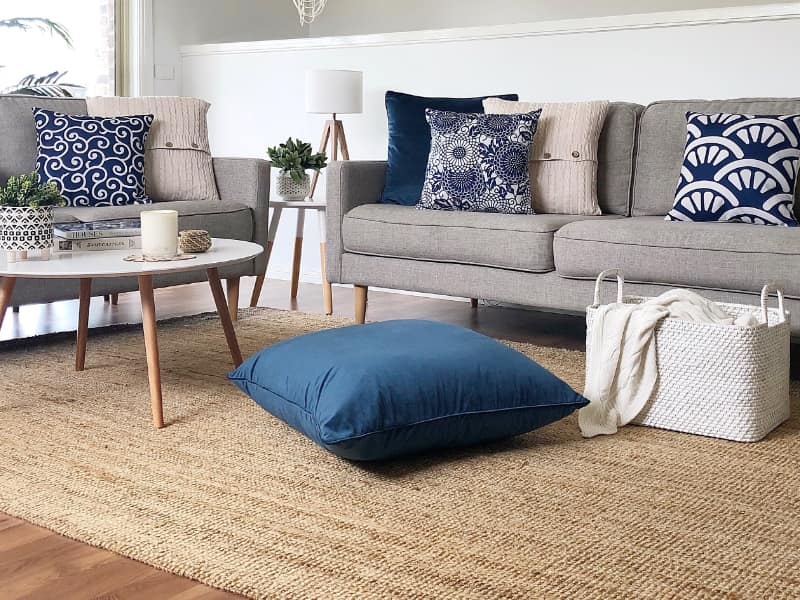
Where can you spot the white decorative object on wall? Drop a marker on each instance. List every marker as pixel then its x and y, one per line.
pixel 309 9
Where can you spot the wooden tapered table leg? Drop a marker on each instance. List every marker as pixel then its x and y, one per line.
pixel 84 300
pixel 272 231
pixel 232 284
pixel 224 315
pixel 298 252
pixel 6 289
pixel 151 347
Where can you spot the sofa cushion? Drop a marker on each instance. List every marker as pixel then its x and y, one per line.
pixel 17 133
pixel 94 161
pixel 520 242
pixel 372 392
pixel 178 156
pixel 615 154
pixel 662 140
pixel 563 161
pixel 479 163
pixel 725 256
pixel 220 219
pixel 410 141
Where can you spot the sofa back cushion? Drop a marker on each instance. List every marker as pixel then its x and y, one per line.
pixel 17 132
pixel 615 154
pixel 662 140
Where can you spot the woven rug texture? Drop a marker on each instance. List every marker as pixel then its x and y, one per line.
pixel 230 496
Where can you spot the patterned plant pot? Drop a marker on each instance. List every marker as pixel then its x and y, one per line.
pixel 288 189
pixel 24 228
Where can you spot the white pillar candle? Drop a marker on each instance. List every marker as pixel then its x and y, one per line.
pixel 159 233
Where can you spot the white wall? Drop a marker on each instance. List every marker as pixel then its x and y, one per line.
pixel 347 17
pixel 179 22
pixel 710 53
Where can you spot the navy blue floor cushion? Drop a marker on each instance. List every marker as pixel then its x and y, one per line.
pixel 371 392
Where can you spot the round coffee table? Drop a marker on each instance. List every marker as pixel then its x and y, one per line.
pixel 86 266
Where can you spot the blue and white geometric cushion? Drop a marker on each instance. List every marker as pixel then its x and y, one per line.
pixel 739 168
pixel 94 161
pixel 479 162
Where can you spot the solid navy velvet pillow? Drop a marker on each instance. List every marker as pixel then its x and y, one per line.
pixel 410 141
pixel 370 392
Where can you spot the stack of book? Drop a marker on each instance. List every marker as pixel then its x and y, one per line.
pixel 124 234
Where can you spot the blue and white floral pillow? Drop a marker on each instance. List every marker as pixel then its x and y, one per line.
pixel 739 168
pixel 94 161
pixel 479 162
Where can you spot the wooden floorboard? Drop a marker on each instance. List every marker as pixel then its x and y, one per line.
pixel 38 564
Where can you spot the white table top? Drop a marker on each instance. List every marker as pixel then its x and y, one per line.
pixel 110 263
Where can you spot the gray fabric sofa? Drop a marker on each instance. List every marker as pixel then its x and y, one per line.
pixel 241 213
pixel 550 261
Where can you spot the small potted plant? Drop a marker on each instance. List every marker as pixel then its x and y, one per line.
pixel 26 215
pixel 293 159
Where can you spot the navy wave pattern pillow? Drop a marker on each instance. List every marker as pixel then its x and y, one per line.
pixel 740 168
pixel 94 161
pixel 479 162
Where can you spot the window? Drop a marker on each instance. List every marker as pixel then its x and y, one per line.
pixel 88 64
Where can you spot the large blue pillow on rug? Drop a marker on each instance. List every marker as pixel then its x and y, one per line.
pixel 94 161
pixel 370 392
pixel 410 140
pixel 479 163
pixel 739 168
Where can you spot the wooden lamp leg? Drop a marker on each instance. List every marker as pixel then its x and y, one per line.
pixel 323 145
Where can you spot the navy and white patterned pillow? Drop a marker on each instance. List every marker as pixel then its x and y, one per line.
pixel 739 168
pixel 94 161
pixel 479 162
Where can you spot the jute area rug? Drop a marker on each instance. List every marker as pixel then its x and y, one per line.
pixel 229 496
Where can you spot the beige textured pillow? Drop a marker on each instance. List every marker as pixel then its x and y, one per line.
pixel 563 161
pixel 178 158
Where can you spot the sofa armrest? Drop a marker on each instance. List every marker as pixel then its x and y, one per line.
pixel 348 184
pixel 246 181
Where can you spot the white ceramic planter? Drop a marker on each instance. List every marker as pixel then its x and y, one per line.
pixel 288 189
pixel 24 229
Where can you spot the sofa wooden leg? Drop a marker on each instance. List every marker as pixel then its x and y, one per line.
pixel 15 309
pixel 114 299
pixel 233 297
pixel 360 293
pixel 473 302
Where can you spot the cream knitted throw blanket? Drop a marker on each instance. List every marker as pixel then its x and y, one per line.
pixel 622 372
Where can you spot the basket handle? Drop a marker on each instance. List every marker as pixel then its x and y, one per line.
pixel 605 275
pixel 772 287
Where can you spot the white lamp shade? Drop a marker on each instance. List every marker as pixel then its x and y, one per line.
pixel 334 91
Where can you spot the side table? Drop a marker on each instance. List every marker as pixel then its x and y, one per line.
pixel 302 206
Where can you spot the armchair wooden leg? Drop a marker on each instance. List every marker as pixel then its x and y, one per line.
pixel 233 297
pixel 114 299
pixel 360 293
pixel 473 302
pixel 15 309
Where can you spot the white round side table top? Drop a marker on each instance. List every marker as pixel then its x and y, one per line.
pixel 110 263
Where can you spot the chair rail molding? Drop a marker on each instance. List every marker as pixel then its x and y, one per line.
pixel 656 20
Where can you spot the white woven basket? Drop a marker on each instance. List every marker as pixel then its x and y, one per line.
pixel 724 381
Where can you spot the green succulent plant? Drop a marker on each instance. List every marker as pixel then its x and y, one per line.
pixel 25 190
pixel 294 157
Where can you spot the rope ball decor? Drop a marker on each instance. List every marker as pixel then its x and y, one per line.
pixel 194 241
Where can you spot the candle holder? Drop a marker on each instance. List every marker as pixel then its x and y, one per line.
pixel 159 234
